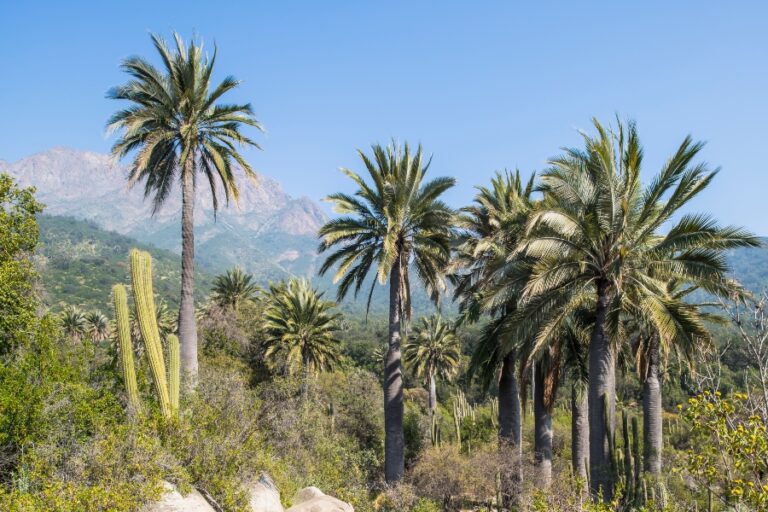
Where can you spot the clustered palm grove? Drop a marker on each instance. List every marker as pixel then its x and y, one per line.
pixel 570 277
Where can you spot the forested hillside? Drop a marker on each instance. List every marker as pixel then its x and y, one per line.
pixel 79 262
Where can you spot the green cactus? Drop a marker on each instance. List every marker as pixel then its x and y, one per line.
pixel 495 412
pixel 457 422
pixel 332 415
pixel 126 348
pixel 143 296
pixel 629 477
pixel 174 371
pixel 636 454
pixel 435 431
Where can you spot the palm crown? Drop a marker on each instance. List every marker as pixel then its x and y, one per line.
pixel 395 221
pixel 174 122
pixel 433 351
pixel 301 327
pixel 234 288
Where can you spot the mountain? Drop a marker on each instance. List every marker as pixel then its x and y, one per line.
pixel 268 232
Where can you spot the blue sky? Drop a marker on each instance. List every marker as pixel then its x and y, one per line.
pixel 482 85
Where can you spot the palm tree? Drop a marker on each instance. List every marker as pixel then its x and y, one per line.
pixel 486 262
pixel 490 233
pixel 433 352
pixel 233 288
pixel 652 348
pixel 597 237
pixel 176 130
pixel 300 328
pixel 73 322
pixel 97 326
pixel 396 223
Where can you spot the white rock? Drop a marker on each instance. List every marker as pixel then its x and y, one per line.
pixel 264 496
pixel 312 499
pixel 173 501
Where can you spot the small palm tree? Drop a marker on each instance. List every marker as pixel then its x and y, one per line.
pixel 433 352
pixel 73 322
pixel 300 328
pixel 97 326
pixel 597 237
pixel 178 132
pixel 394 223
pixel 234 288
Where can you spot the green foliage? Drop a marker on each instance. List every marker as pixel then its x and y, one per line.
pixel 79 263
pixel 729 453
pixel 18 239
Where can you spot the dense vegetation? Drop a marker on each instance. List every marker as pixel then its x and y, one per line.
pixel 600 356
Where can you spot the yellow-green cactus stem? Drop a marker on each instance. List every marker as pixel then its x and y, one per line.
pixel 174 371
pixel 143 296
pixel 125 347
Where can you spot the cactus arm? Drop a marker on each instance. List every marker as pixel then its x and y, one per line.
pixel 125 347
pixel 143 296
pixel 174 372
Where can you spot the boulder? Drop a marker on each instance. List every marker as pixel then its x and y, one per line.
pixel 312 499
pixel 263 495
pixel 173 501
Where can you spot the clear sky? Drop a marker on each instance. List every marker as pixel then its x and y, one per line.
pixel 482 85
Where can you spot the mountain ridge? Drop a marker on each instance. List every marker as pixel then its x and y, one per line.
pixel 91 186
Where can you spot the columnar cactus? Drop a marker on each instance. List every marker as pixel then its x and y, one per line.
pixel 126 348
pixel 174 371
pixel 143 296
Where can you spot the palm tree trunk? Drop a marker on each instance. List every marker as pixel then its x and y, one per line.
pixel 579 432
pixel 602 400
pixel 432 392
pixel 305 376
pixel 542 438
pixel 187 325
pixel 394 442
pixel 510 431
pixel 652 422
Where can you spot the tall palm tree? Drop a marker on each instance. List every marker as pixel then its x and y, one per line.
pixel 490 232
pixel 397 223
pixel 300 328
pixel 97 326
pixel 177 131
pixel 433 352
pixel 597 237
pixel 234 288
pixel 487 261
pixel 74 323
